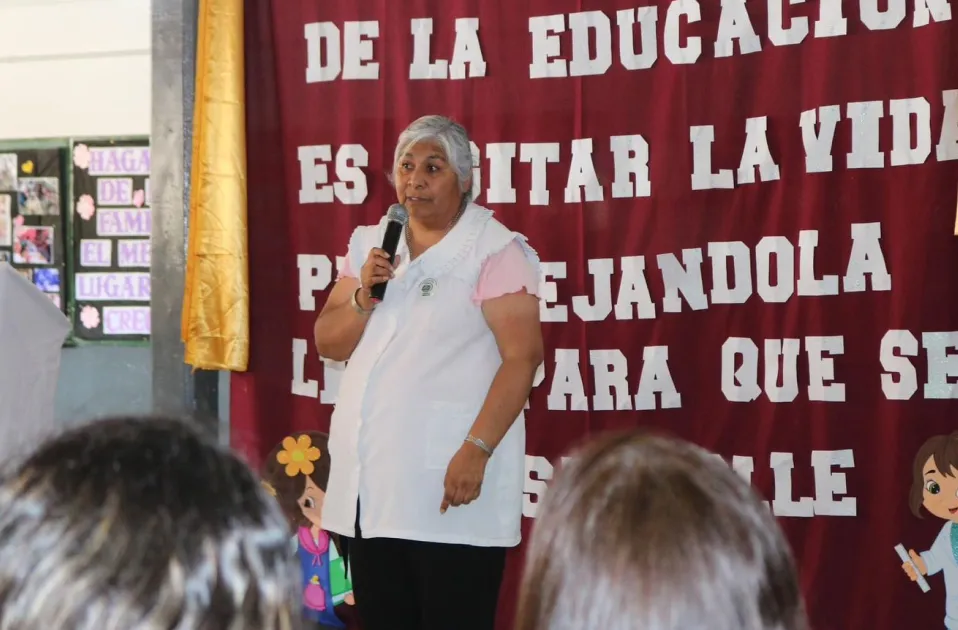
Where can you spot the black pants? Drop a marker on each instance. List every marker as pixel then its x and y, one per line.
pixel 409 585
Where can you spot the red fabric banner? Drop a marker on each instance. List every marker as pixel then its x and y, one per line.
pixel 744 212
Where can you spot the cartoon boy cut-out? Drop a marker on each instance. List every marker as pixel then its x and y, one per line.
pixel 296 473
pixel 935 488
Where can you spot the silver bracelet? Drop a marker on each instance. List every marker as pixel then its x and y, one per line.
pixel 474 440
pixel 356 305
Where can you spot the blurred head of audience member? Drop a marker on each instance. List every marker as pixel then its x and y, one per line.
pixel 129 524
pixel 640 532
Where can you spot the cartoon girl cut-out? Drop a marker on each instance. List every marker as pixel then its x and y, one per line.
pixel 935 488
pixel 296 473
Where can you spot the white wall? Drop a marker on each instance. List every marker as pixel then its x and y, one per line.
pixel 73 68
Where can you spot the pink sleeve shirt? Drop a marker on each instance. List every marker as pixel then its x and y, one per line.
pixel 506 272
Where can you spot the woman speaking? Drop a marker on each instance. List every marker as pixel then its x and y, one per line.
pixel 427 441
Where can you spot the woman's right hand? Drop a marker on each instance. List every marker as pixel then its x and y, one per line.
pixel 376 269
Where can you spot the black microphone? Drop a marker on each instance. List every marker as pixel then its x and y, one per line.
pixel 396 219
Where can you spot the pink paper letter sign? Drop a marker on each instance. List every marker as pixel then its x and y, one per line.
pixel 120 161
pixel 133 253
pixel 123 221
pixel 96 252
pixel 114 191
pixel 113 287
pixel 126 320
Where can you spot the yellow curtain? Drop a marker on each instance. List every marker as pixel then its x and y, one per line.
pixel 215 326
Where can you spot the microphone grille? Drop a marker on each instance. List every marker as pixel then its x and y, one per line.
pixel 397 213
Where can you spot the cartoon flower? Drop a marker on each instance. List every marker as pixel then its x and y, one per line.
pixel 138 198
pixel 81 156
pixel 85 207
pixel 90 317
pixel 298 455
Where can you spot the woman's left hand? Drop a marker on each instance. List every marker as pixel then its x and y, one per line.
pixel 464 477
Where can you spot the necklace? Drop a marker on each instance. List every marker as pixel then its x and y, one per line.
pixel 452 224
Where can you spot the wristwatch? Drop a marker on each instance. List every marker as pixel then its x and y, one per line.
pixel 357 306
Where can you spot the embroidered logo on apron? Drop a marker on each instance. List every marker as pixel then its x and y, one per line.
pixel 427 287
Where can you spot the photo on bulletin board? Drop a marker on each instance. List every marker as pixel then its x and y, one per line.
pixel 8 172
pixel 32 228
pixel 112 221
pixel 39 196
pixel 6 220
pixel 33 245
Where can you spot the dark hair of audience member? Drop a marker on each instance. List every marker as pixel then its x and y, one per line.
pixel 639 532
pixel 129 524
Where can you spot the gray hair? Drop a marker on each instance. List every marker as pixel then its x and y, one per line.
pixel 129 524
pixel 646 532
pixel 448 134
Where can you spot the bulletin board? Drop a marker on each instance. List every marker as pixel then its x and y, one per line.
pixel 111 239
pixel 33 234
